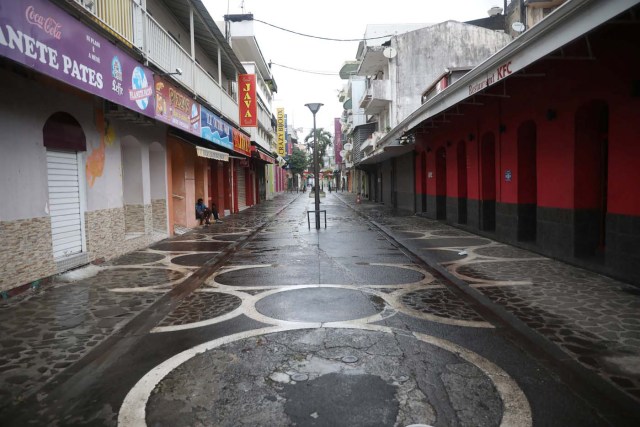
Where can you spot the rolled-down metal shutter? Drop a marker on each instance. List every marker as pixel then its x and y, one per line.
pixel 64 203
pixel 242 192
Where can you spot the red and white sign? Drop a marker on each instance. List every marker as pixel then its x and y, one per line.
pixel 248 103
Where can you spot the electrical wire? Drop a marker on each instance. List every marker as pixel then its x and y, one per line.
pixel 323 38
pixel 322 73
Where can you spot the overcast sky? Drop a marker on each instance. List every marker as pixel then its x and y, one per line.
pixel 335 19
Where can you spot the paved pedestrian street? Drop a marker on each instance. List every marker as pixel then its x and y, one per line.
pixel 379 319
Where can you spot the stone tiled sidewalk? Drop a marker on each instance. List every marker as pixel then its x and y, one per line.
pixel 593 319
pixel 47 330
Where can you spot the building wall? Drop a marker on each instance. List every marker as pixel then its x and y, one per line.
pixel 29 100
pixel 424 54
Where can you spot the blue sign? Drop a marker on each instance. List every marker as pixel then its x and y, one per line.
pixel 216 130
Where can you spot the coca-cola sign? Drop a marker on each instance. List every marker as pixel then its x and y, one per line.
pixel 46 23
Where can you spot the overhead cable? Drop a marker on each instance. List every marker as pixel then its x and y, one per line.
pixel 322 73
pixel 324 38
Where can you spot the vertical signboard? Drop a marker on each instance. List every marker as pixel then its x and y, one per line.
pixel 248 105
pixel 337 140
pixel 280 132
pixel 176 108
pixel 286 136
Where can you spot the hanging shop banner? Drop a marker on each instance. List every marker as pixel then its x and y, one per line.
pixel 248 104
pixel 215 129
pixel 337 141
pixel 286 136
pixel 241 143
pixel 42 36
pixel 280 136
pixel 175 107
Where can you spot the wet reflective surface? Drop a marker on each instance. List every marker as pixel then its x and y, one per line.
pixel 263 321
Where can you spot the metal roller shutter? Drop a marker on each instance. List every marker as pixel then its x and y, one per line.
pixel 242 193
pixel 64 203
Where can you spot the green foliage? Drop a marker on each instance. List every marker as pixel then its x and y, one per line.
pixel 298 161
pixel 323 138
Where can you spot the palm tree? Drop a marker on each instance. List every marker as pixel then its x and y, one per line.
pixel 323 139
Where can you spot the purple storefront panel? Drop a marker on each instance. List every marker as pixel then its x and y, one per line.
pixel 42 36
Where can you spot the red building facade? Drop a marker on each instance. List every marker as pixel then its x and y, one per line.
pixel 538 146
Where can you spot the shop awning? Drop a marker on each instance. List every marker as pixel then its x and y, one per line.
pixel 393 150
pixel 255 151
pixel 212 154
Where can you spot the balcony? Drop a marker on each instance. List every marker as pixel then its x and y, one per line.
pixel 128 21
pixel 377 96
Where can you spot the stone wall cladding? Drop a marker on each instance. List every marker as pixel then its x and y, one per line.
pixel 27 251
pixel 159 208
pixel 134 218
pixel 106 237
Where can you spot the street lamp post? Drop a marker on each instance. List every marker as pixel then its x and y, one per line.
pixel 314 109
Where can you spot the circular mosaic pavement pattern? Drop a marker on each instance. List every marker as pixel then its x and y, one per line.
pixel 188 236
pixel 194 260
pixel 136 258
pixel 134 277
pixel 504 252
pixel 200 306
pixel 190 246
pixel 320 305
pixel 346 378
pixel 442 303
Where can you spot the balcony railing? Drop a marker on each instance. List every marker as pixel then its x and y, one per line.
pixel 129 21
pixel 377 96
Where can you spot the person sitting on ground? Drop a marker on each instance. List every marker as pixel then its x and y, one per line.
pixel 203 213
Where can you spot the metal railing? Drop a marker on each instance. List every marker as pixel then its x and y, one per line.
pixel 128 20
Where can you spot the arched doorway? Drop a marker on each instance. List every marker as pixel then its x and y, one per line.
pixel 488 182
pixel 591 176
pixel 64 139
pixel 461 153
pixel 132 186
pixel 441 183
pixel 527 181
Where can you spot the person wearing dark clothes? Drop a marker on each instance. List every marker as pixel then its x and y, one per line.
pixel 203 213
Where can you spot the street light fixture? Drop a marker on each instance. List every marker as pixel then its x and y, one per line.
pixel 315 107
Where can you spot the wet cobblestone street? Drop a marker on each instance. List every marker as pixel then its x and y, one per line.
pixel 264 321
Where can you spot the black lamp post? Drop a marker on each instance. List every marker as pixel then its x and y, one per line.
pixel 314 109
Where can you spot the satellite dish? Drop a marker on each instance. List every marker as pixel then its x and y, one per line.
pixel 342 153
pixel 389 52
pixel 348 146
pixel 518 27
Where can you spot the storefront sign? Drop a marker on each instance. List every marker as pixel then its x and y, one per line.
pixel 281 149
pixel 175 107
pixel 337 142
pixel 248 103
pixel 499 73
pixel 216 130
pixel 42 36
pixel 241 143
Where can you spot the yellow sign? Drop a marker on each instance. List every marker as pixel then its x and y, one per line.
pixel 280 132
